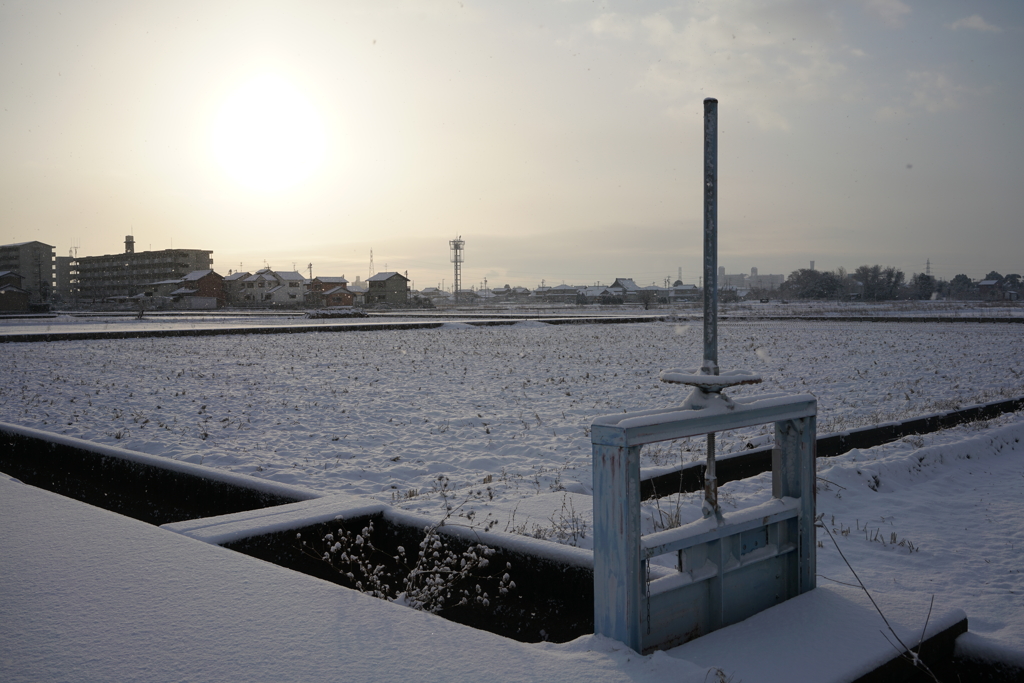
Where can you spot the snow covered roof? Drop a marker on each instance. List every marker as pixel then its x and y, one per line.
pixel 274 289
pixel 357 289
pixel 236 276
pixel 625 283
pixel 596 291
pixel 335 290
pixel 485 294
pixel 988 283
pixel 11 288
pixel 291 276
pixel 8 272
pixel 332 280
pixel 380 277
pixel 265 275
pixel 184 291
pixel 196 275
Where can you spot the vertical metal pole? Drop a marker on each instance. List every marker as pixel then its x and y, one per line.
pixel 710 364
pixel 711 236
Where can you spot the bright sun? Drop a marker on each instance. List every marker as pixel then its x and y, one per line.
pixel 268 136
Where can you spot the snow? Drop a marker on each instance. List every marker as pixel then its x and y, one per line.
pixel 496 419
pixel 110 598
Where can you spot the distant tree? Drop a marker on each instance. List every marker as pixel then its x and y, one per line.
pixel 993 275
pixel 1013 280
pixel 728 296
pixel 646 297
pixel 922 286
pixel 960 286
pixel 880 284
pixel 812 284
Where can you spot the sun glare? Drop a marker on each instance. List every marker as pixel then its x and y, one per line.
pixel 268 136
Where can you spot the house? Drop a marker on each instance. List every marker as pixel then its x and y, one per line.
pixel 597 294
pixel 13 299
pixel 991 290
pixel 390 288
pixel 36 264
pixel 199 289
pixel 338 296
pixel 681 292
pixel 627 289
pixel 234 288
pixel 267 288
pixel 203 284
pixel 321 285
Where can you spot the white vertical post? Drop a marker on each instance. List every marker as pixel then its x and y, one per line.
pixel 618 575
pixel 793 475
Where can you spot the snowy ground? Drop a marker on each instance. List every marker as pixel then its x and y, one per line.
pixel 497 419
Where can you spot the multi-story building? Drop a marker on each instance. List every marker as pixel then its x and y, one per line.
pixel 66 291
pixel 125 274
pixel 36 263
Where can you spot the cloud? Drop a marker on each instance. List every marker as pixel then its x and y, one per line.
pixel 760 57
pixel 891 12
pixel 928 91
pixel 613 25
pixel 974 22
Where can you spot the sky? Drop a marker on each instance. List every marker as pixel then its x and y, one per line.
pixel 561 140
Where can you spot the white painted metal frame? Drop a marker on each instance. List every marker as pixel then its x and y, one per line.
pixel 730 566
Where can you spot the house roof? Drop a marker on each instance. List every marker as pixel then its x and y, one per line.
pixel 357 289
pixel 274 289
pixel 184 291
pixel 261 275
pixel 988 283
pixel 291 276
pixel 625 283
pixel 11 288
pixel 380 277
pixel 4 273
pixel 332 280
pixel 196 275
pixel 22 244
pixel 335 290
pixel 236 276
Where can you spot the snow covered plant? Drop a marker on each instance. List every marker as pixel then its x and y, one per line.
pixel 439 575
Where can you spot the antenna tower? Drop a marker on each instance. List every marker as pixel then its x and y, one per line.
pixel 457 245
pixel 371 264
pixel 928 267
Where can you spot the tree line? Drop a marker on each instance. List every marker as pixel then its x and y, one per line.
pixel 877 283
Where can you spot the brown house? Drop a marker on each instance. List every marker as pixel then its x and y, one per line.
pixel 13 299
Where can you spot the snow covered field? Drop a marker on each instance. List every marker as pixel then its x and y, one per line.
pixel 498 418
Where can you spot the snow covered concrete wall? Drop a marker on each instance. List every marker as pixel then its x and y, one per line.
pixel 149 488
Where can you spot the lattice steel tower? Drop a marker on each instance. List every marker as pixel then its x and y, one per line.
pixel 457 245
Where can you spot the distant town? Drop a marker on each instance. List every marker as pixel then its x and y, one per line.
pixel 34 278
